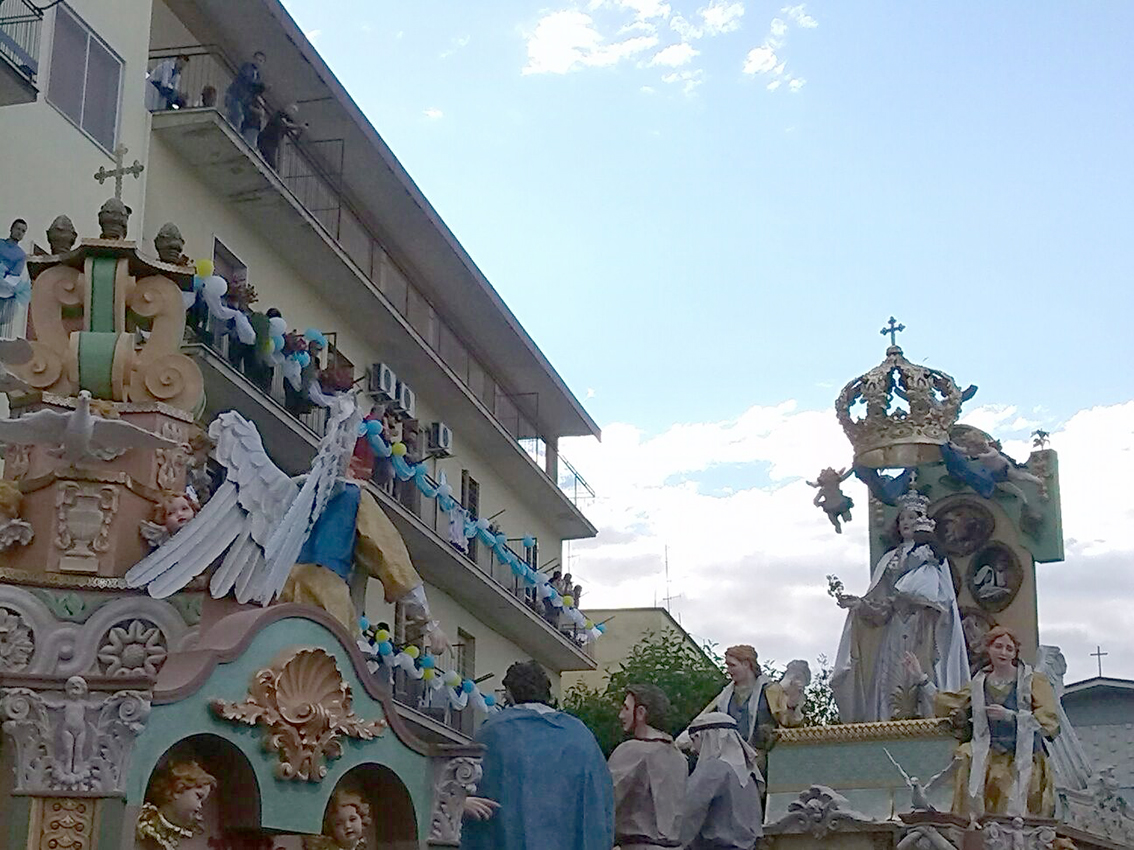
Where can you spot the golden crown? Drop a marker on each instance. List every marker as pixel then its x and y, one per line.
pixel 909 410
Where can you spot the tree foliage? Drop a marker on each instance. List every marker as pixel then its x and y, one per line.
pixel 689 678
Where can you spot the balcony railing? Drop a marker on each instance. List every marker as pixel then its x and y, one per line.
pixel 20 23
pixel 406 493
pixel 312 171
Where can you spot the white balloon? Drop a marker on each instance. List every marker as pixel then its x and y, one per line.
pixel 277 326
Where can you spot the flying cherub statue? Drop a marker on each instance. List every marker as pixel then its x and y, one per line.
pixel 988 467
pixel 836 504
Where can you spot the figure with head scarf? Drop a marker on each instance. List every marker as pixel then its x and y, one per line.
pixel 722 808
pixel 757 704
pixel 648 772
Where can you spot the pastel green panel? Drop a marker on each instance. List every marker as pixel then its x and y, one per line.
pixel 96 362
pixel 100 312
pixel 289 806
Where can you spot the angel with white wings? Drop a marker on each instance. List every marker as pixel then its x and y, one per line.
pixel 300 540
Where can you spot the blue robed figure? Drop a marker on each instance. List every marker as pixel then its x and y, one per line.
pixel 546 785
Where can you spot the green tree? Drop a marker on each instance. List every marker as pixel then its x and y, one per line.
pixel 820 708
pixel 689 678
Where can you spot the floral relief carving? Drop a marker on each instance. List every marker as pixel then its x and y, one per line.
pixel 170 462
pixel 16 642
pixel 136 648
pixel 305 708
pixel 456 779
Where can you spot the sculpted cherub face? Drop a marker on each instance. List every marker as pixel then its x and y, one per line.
pixel 347 826
pixel 178 511
pixel 185 807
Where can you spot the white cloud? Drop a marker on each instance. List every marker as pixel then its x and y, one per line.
pixel 567 40
pixel 721 16
pixel 777 29
pixel 800 17
pixel 433 113
pixel 796 84
pixel 689 79
pixel 646 9
pixel 760 60
pixel 675 55
pixel 774 84
pixel 750 553
pixel 456 44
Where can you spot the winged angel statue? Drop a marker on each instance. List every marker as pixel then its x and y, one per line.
pixel 258 518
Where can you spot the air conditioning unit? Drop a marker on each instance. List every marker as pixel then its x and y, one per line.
pixel 382 382
pixel 440 439
pixel 405 400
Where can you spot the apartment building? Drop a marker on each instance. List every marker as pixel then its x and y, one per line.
pixel 335 235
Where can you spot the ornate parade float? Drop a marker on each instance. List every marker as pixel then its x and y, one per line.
pixel 952 733
pixel 149 694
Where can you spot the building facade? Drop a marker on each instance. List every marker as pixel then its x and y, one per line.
pixel 331 231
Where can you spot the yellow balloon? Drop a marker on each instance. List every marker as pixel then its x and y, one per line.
pixel 569 601
pixel 399 448
pixel 204 268
pixel 382 635
pixel 411 651
pixel 427 673
pixel 589 625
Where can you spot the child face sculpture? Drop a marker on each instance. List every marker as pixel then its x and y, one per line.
pixel 347 826
pixel 178 512
pixel 185 807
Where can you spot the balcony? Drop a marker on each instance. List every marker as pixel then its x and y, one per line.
pixel 20 23
pixel 484 586
pixel 300 209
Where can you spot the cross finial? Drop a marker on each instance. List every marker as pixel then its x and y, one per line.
pixel 102 175
pixel 893 329
pixel 1099 654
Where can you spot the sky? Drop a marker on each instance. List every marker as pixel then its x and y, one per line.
pixel 703 211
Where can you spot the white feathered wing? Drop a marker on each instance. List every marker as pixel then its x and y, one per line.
pixel 258 514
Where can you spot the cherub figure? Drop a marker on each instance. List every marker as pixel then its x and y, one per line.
pixel 71 766
pixel 174 807
pixel 13 530
pixel 836 504
pixel 170 515
pixel 988 454
pixel 344 825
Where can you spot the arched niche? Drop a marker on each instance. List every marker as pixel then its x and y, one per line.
pixel 393 821
pixel 233 807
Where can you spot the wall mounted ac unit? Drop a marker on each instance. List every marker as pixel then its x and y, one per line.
pixel 440 439
pixel 405 400
pixel 382 382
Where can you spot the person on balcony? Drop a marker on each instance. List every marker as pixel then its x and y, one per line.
pixel 15 286
pixel 246 87
pixel 521 801
pixel 284 122
pixel 163 89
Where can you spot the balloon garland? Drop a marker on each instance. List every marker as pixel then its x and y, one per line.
pixel 378 645
pixel 476 528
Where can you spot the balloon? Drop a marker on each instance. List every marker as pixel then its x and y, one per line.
pixel 399 448
pixel 502 540
pixel 427 673
pixel 601 628
pixel 482 524
pixel 489 700
pixel 453 679
pixel 204 267
pixel 303 359
pixel 381 635
pixel 277 342
pixel 467 686
pixel 445 491
pixel 215 286
pixel 569 601
pixel 589 625
pixel 412 651
pixel 363 623
pixel 528 541
pixel 427 662
pixel 385 648
pixel 277 326
pixel 314 335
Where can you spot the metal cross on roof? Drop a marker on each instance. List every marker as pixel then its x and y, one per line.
pixel 1099 654
pixel 102 175
pixel 893 329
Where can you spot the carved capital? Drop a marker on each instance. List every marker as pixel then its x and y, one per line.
pixel 305 708
pixel 454 780
pixel 72 741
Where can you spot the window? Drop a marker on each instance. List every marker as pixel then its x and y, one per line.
pixel 470 498
pixel 466 654
pixel 228 265
pixel 85 78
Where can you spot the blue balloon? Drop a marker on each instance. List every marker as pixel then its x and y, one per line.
pixel 502 540
pixel 363 623
pixel 303 359
pixel 427 662
pixel 277 343
pixel 489 700
pixel 529 541
pixel 373 427
pixel 385 648
pixel 467 686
